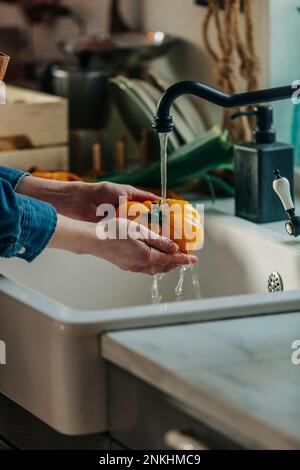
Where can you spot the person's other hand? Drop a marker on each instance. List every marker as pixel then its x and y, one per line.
pixel 80 200
pixel 89 197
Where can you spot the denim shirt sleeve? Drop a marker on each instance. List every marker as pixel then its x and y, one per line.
pixel 26 224
pixel 12 176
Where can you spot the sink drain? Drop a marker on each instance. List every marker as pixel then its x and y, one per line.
pixel 275 283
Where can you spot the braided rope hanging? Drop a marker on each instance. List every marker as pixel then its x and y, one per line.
pixel 231 47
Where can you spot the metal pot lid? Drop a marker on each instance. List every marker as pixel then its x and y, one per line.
pixel 107 42
pixel 117 52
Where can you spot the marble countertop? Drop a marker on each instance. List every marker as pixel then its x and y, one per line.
pixel 236 374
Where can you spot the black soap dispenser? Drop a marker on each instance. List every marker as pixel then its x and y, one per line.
pixel 254 163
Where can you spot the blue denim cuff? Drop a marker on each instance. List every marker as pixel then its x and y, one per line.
pixel 12 176
pixel 38 223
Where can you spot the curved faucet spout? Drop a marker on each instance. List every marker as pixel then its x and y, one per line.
pixel 164 122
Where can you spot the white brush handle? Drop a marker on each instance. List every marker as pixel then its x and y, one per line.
pixel 282 188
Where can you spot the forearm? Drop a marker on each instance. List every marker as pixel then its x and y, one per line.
pixel 61 194
pixel 73 236
pixel 26 225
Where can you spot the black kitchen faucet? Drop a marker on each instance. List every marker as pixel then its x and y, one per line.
pixel 163 121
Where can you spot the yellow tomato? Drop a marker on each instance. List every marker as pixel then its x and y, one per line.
pixel 176 219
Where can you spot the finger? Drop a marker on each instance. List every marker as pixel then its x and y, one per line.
pixel 158 270
pixel 140 195
pixel 162 244
pixel 177 259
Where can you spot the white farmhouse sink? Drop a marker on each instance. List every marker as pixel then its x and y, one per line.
pixel 53 311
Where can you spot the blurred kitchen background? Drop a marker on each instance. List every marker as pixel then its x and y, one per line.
pixel 113 58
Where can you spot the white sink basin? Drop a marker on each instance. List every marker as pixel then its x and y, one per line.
pixel 53 311
pixel 237 259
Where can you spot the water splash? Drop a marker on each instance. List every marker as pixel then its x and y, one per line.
pixel 195 279
pixel 179 287
pixel 182 276
pixel 155 294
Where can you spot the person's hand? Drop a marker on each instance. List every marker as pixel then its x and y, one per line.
pixel 142 251
pixel 146 253
pixel 80 200
pixel 86 198
pixel 109 193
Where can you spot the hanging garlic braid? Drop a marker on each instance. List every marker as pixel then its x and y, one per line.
pixel 228 28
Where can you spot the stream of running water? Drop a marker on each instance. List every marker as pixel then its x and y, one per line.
pixel 156 297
